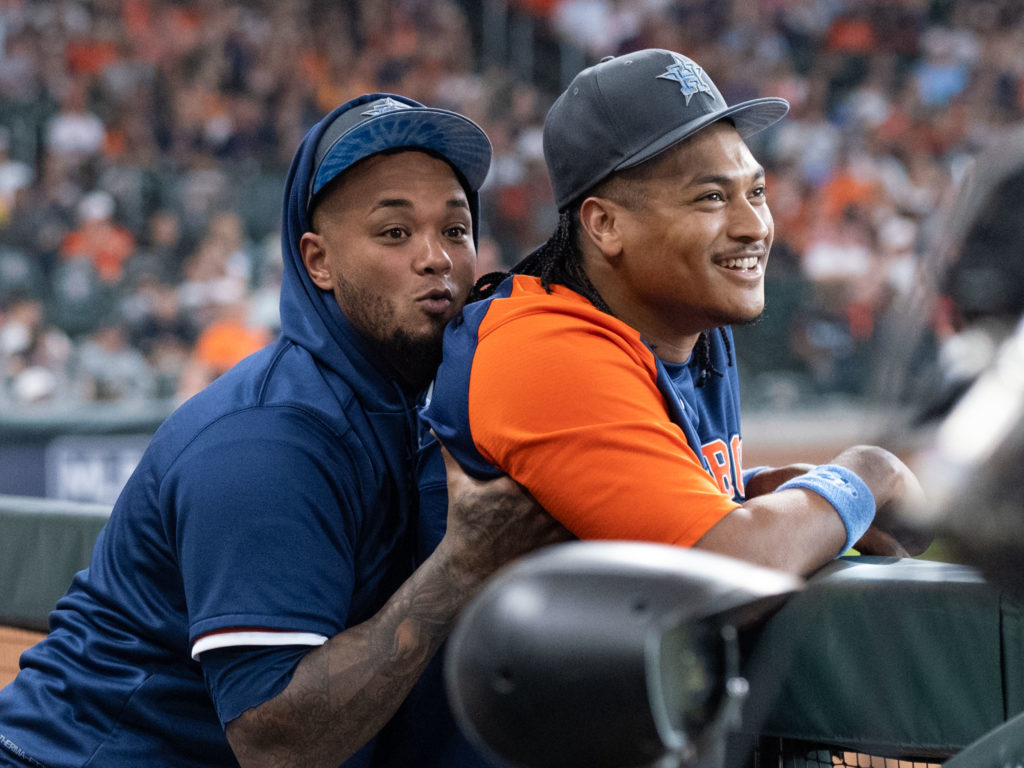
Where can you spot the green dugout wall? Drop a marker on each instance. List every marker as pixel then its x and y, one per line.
pixel 902 658
pixel 43 543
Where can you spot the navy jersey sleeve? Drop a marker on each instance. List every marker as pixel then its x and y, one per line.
pixel 266 516
pixel 243 678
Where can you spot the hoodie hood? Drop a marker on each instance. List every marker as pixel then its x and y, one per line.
pixel 310 316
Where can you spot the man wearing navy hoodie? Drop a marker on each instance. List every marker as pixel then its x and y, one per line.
pixel 254 599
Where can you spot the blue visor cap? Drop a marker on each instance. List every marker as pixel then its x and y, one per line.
pixel 394 122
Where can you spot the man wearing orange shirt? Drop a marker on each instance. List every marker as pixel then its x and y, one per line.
pixel 601 375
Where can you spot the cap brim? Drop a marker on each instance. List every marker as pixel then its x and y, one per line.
pixel 749 117
pixel 456 138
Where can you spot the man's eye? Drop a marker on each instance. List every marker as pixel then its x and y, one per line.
pixel 395 233
pixel 714 197
pixel 456 232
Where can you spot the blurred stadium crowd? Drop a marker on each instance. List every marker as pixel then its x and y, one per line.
pixel 144 143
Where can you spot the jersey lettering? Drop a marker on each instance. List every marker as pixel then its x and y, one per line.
pixel 716 454
pixel 736 453
pixel 723 464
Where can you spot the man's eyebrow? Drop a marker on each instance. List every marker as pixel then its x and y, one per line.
pixel 722 180
pixel 458 202
pixel 401 202
pixel 393 202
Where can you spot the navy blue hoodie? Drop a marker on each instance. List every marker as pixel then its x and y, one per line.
pixel 279 499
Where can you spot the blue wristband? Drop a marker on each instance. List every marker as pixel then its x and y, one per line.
pixel 841 488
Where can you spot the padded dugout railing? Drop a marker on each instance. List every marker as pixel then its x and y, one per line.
pixel 877 662
pixel 907 661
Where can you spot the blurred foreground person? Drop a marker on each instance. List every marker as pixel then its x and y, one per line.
pixel 962 376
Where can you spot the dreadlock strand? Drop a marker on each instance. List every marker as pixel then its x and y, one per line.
pixel 558 252
pixel 580 282
pixel 565 263
pixel 702 356
pixel 728 345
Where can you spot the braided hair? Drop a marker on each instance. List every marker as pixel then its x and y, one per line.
pixel 559 261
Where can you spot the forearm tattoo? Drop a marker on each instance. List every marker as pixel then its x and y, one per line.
pixel 344 692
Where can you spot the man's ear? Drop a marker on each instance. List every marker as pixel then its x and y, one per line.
pixel 601 226
pixel 314 257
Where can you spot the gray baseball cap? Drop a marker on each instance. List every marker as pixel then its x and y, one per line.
pixel 626 109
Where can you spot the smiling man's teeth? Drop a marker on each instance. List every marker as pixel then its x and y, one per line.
pixel 748 262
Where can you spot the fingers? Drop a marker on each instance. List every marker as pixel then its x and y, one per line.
pixel 451 466
pixel 559 533
pixel 875 541
pixel 914 540
pixel 458 477
pixel 895 517
pixel 500 508
pixel 896 489
pixel 448 460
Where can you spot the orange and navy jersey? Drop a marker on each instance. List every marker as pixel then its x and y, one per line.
pixel 572 403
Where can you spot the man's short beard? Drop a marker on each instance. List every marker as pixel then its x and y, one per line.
pixel 748 320
pixel 414 358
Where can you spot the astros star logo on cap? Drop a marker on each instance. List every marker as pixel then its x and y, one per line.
pixel 690 77
pixel 385 106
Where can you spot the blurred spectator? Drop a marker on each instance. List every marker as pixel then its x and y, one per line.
pixel 163 247
pixel 945 68
pixel 20 275
pixel 807 140
pixel 840 263
pixel 79 300
pixel 34 355
pixel 602 26
pixel 75 135
pixel 898 255
pixel 109 369
pixel 160 329
pixel 99 239
pixel 219 272
pixel 265 300
pixel 221 344
pixel 15 176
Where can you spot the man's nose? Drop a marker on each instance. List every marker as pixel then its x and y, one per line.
pixel 749 221
pixel 432 256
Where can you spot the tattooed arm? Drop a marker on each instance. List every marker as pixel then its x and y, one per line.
pixel 343 692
